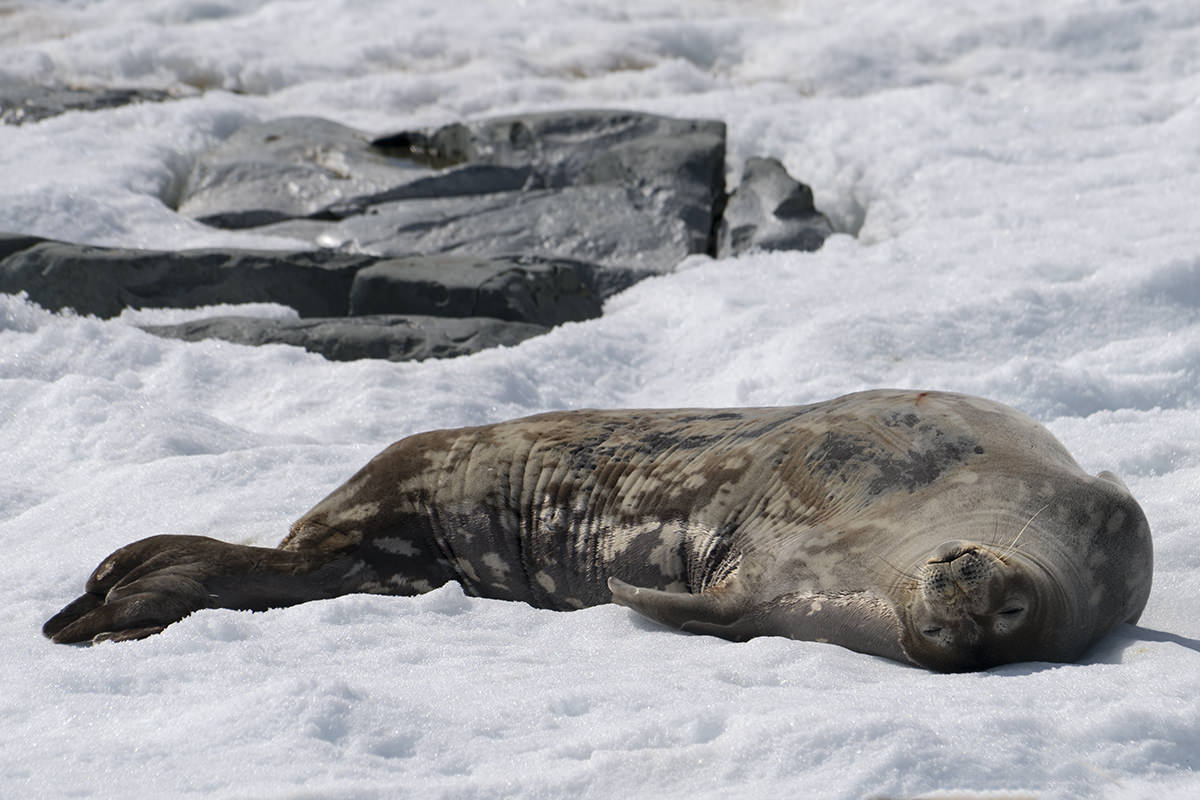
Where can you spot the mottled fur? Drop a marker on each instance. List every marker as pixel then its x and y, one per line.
pixel 882 521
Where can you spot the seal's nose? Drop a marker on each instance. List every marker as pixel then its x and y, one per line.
pixel 948 551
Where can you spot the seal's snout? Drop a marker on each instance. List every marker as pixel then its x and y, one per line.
pixel 950 551
pixel 960 578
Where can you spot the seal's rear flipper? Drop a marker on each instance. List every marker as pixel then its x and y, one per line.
pixel 145 586
pixel 855 620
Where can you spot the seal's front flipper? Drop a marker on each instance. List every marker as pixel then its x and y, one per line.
pixel 145 586
pixel 855 620
pixel 858 621
pixel 676 609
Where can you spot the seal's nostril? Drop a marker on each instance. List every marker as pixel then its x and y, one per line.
pixel 948 551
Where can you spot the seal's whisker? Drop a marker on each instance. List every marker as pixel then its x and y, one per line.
pixel 995 532
pixel 913 577
pixel 1013 545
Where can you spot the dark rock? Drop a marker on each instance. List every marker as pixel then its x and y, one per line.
pixel 570 148
pixel 770 210
pixel 21 104
pixel 447 241
pixel 320 283
pixel 288 168
pixel 614 188
pixel 103 281
pixel 472 179
pixel 311 168
pixel 521 288
pixel 395 338
pixel 618 227
pixel 679 164
pixel 15 242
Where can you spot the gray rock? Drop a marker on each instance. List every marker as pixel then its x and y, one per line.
pixel 103 281
pixel 770 210
pixel 15 242
pixel 288 168
pixel 20 104
pixel 395 338
pixel 520 288
pixel 567 148
pixel 614 188
pixel 321 283
pixel 680 163
pixel 436 243
pixel 618 227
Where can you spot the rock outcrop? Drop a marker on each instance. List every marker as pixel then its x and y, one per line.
pixel 433 243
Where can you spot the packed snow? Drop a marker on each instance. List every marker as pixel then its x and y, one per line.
pixel 1015 188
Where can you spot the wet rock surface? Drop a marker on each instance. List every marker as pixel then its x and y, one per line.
pixel 286 169
pixel 616 188
pixel 396 338
pixel 433 243
pixel 24 104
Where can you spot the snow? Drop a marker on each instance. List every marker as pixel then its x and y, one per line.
pixel 1015 187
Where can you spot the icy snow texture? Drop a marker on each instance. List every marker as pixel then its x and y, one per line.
pixel 1021 182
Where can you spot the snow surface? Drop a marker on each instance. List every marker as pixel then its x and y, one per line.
pixel 1016 185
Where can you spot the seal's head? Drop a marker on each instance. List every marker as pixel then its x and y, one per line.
pixel 973 607
pixel 1078 568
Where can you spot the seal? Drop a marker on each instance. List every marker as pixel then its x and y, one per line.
pixel 936 529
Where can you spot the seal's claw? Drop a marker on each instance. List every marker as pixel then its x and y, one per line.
pixel 129 635
pixel 143 586
pixel 77 608
pixel 147 605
